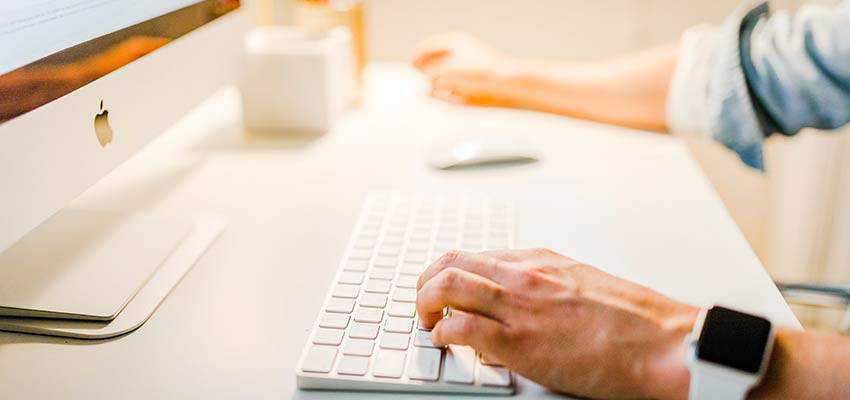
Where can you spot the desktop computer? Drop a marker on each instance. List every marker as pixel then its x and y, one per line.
pixel 84 85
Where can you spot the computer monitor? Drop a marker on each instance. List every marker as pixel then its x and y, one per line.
pixel 85 84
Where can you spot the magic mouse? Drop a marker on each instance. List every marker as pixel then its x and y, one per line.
pixel 485 150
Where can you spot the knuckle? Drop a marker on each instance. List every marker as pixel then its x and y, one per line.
pixel 451 257
pixel 542 252
pixel 539 271
pixel 515 333
pixel 581 268
pixel 497 294
pixel 500 265
pixel 448 278
pixel 531 276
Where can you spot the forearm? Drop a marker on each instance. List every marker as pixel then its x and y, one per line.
pixel 629 91
pixel 807 365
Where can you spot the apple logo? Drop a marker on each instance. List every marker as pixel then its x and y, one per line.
pixel 102 128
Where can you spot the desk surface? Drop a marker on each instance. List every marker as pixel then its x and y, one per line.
pixel 634 204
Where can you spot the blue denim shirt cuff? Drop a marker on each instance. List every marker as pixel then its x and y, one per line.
pixel 733 118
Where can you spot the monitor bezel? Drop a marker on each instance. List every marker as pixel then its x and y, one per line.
pixel 47 79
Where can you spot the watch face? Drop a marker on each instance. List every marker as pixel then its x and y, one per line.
pixel 733 339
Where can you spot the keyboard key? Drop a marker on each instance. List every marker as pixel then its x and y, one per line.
pixel 389 251
pixel 356 265
pixel 424 364
pixel 423 224
pixel 363 331
pixel 358 347
pixel 423 339
pixel 388 364
pixel 487 361
pixel 421 237
pixel 472 235
pixel 460 364
pixel 498 237
pixel 364 244
pixel 336 321
pixel 439 251
pixel 472 246
pixel 358 254
pixel 337 305
pixel 415 258
pixel 407 310
pixel 398 325
pixel 386 262
pixel 494 376
pixel 354 278
pixel 413 268
pixel 372 223
pixel 377 286
pixel 418 245
pixel 382 273
pixel 346 291
pixel 420 326
pixel 395 236
pixel 370 234
pixel 371 315
pixel 353 365
pixel 328 336
pixel 373 300
pixel 401 221
pixel 319 359
pixel 396 341
pixel 405 295
pixel 447 232
pixel 406 281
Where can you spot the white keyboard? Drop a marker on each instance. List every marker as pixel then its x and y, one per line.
pixel 367 336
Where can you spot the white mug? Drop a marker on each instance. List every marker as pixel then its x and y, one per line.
pixel 295 81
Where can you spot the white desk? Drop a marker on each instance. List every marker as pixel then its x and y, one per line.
pixel 634 204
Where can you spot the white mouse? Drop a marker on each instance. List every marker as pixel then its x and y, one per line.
pixel 491 149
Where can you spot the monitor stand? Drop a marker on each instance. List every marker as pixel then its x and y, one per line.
pixel 95 275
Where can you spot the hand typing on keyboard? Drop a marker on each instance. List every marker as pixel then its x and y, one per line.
pixel 563 324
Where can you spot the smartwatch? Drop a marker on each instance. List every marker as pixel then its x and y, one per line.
pixel 728 352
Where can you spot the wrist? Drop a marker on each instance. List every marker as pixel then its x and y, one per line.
pixel 666 375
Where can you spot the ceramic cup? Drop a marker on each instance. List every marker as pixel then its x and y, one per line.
pixel 295 81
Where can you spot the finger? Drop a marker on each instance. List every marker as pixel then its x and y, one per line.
pixel 461 290
pixel 485 266
pixel 509 255
pixel 516 255
pixel 436 45
pixel 466 329
pixel 449 96
pixel 422 59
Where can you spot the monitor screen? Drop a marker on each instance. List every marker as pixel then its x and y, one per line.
pixel 49 48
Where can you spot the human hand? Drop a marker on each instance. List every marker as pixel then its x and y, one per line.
pixel 464 69
pixel 560 323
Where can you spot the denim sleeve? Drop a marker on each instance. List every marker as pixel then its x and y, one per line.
pixel 772 73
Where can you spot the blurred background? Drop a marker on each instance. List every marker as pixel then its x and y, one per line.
pixel 796 216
